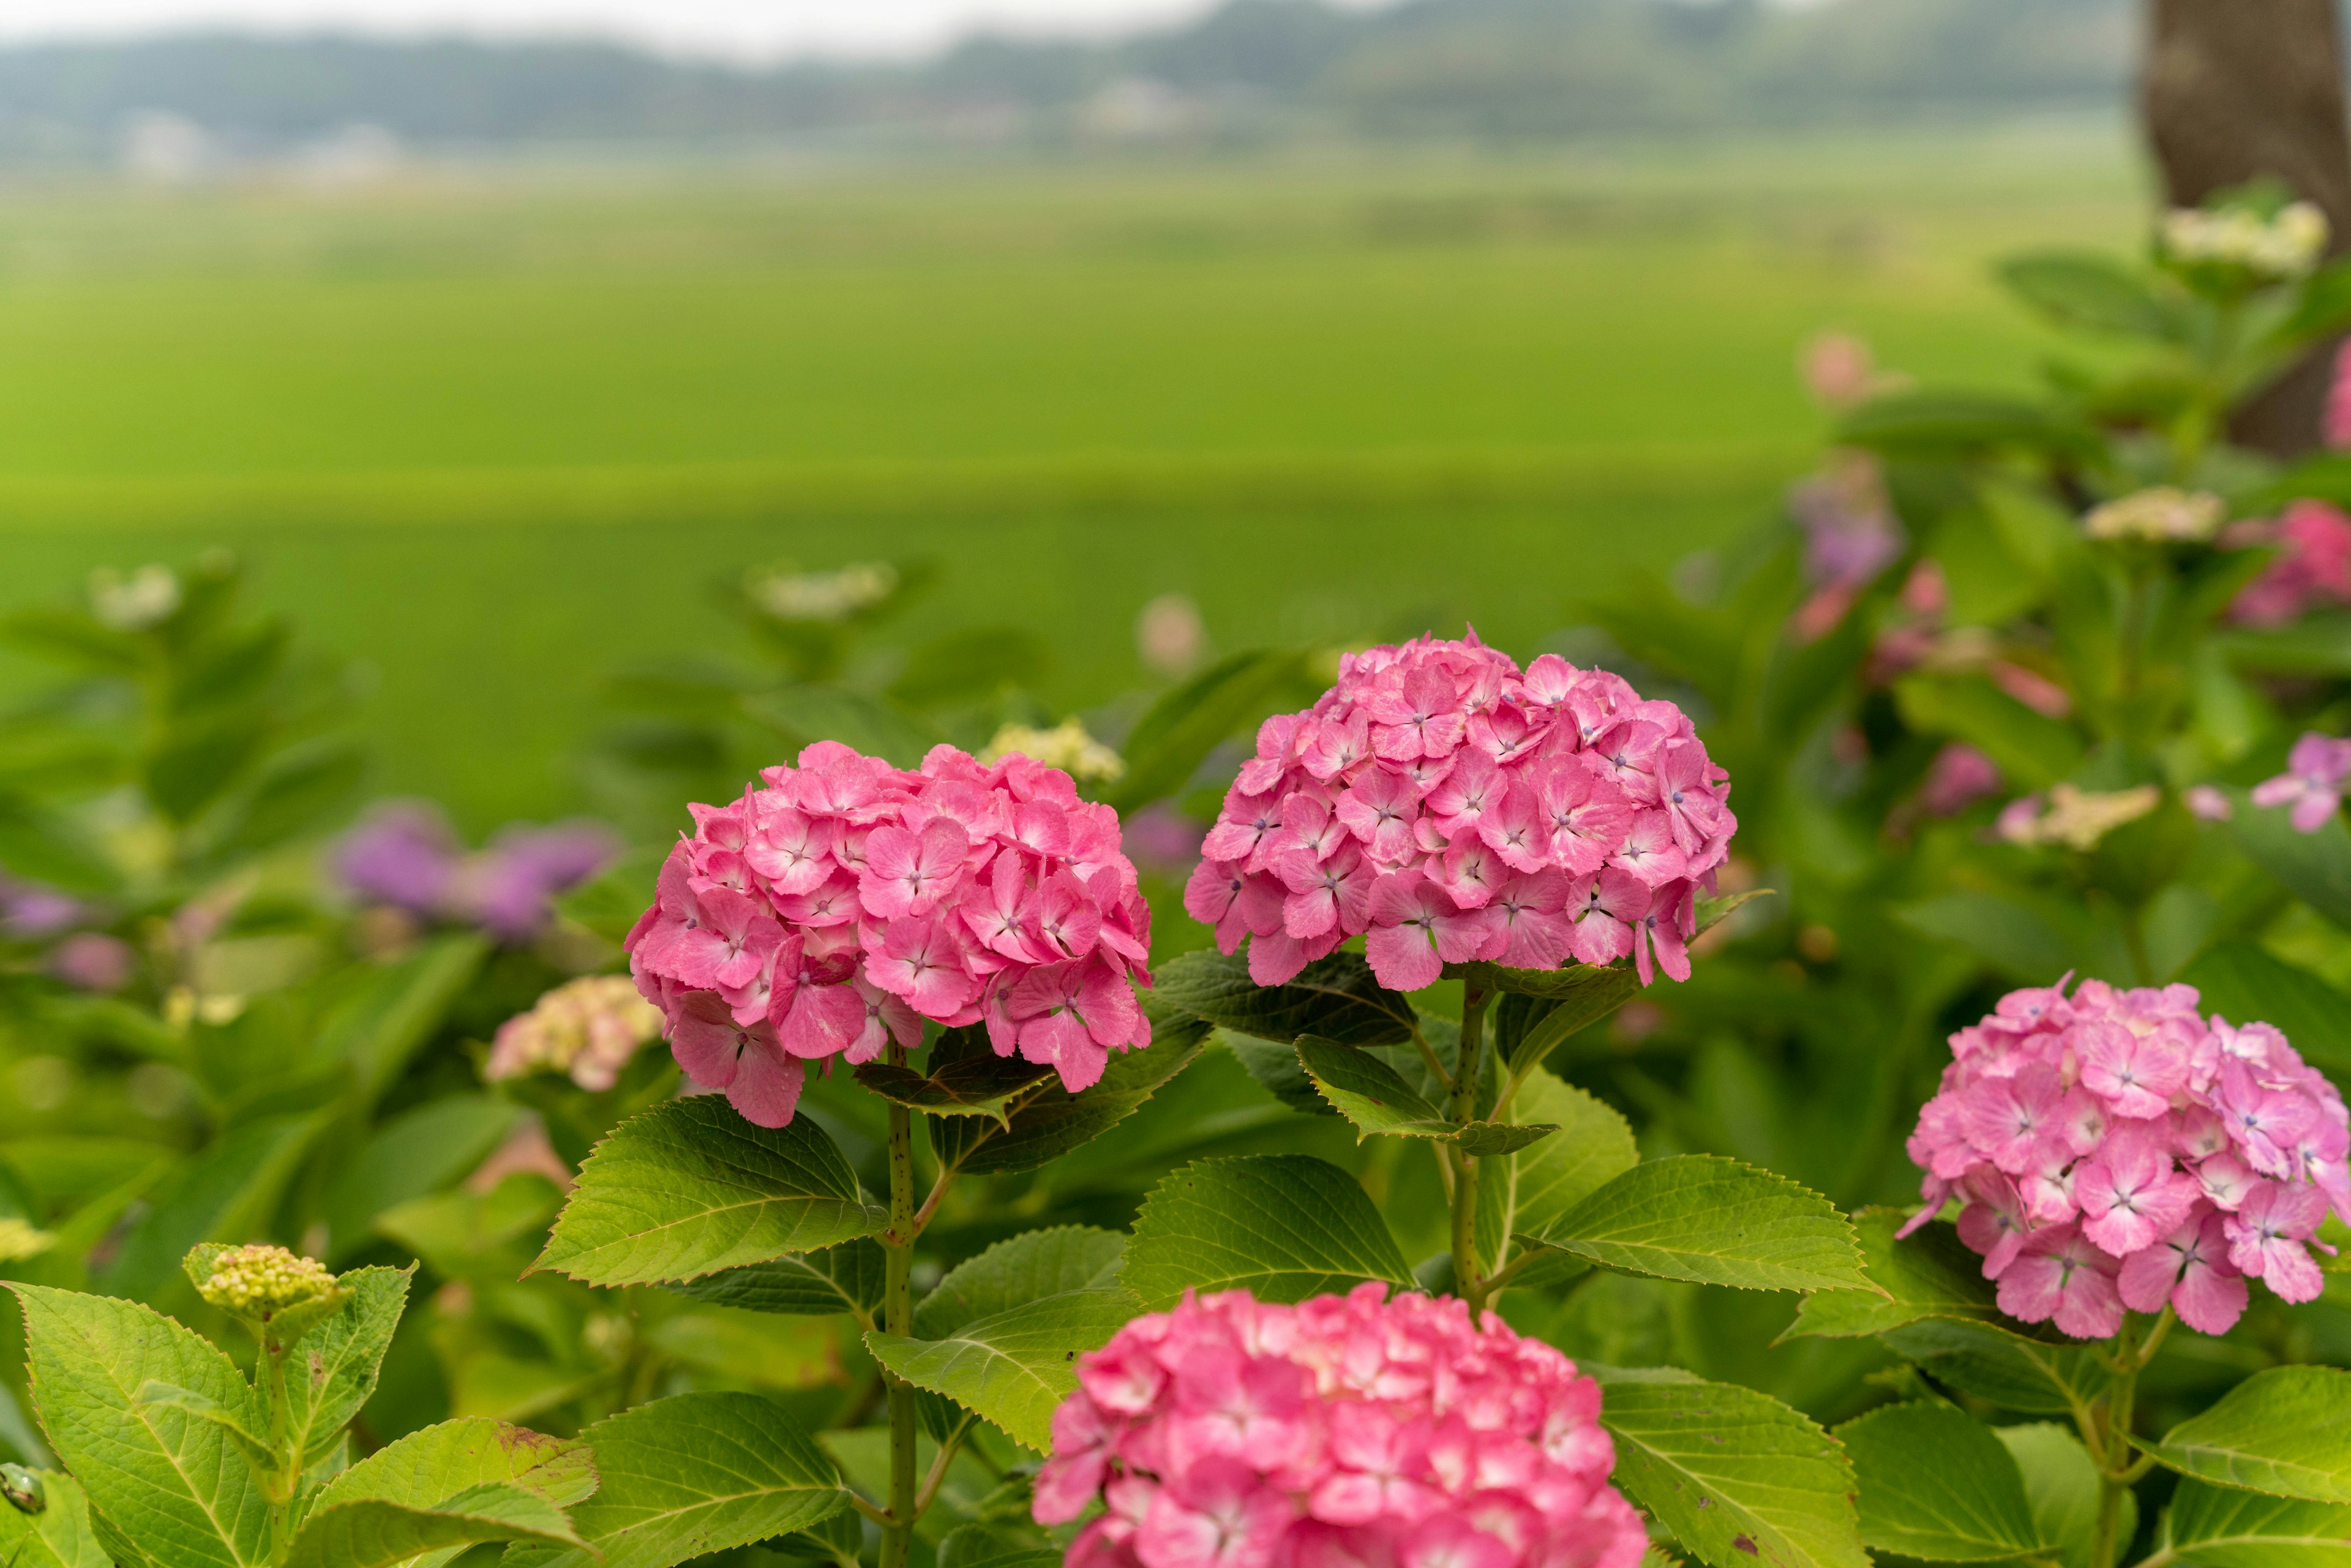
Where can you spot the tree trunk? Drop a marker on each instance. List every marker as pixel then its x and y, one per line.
pixel 2236 90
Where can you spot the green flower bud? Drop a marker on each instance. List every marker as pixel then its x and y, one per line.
pixel 266 1286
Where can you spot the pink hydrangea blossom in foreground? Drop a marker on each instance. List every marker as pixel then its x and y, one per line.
pixel 2117 1149
pixel 1447 806
pixel 2312 783
pixel 1344 1432
pixel 839 903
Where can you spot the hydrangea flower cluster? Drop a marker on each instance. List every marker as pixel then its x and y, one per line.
pixel 841 902
pixel 589 1028
pixel 404 856
pixel 1451 807
pixel 1344 1430
pixel 2116 1149
pixel 2312 567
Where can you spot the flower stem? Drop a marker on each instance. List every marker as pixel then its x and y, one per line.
pixel 898 1318
pixel 2112 1448
pixel 1468 1276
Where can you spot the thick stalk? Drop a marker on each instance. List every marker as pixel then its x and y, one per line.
pixel 1469 1274
pixel 898 1318
pixel 2114 1451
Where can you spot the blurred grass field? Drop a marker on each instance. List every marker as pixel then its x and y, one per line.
pixel 495 431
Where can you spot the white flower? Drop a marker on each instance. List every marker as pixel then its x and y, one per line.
pixel 2160 512
pixel 821 595
pixel 1066 746
pixel 2286 245
pixel 133 603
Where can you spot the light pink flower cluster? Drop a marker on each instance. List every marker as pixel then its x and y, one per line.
pixel 2116 1149
pixel 1450 807
pixel 839 903
pixel 2312 783
pixel 1344 1432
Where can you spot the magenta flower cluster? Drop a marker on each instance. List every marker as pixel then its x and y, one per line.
pixel 2316 773
pixel 1448 806
pixel 1344 1432
pixel 839 903
pixel 2117 1149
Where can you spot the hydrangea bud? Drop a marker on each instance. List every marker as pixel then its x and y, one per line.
pixel 589 1028
pixel 1448 806
pixel 2118 1149
pixel 1345 1430
pixel 264 1285
pixel 841 902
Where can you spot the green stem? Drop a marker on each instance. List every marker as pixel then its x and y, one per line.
pixel 898 1318
pixel 1468 1275
pixel 279 1488
pixel 2112 1449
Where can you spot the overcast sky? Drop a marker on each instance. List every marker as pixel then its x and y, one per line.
pixel 748 29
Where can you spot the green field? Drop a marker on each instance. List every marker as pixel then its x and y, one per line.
pixel 493 431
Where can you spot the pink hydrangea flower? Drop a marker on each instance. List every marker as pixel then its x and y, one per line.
pixel 2312 781
pixel 2312 567
pixel 1961 777
pixel 2117 1149
pixel 1447 805
pixel 1231 1433
pixel 841 902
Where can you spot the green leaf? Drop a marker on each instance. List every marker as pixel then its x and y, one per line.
pixel 232 1420
pixel 2242 981
pixel 993 1546
pixel 1176 733
pixel 196 763
pixel 1995 1364
pixel 1536 1185
pixel 972 663
pixel 2285 1430
pixel 173 1481
pixel 803 714
pixel 2061 1483
pixel 2318 644
pixel 488 1237
pixel 2224 1527
pixel 229 1192
pixel 844 1279
pixel 331 1371
pixel 1930 1274
pixel 1714 1221
pixel 1337 998
pixel 294 793
pixel 2013 936
pixel 2314 867
pixel 429 1467
pixel 975 1085
pixel 1587 993
pixel 690 1187
pixel 1935 1484
pixel 1367 1092
pixel 1051 1120
pixel 417 1151
pixel 2088 288
pixel 694 1474
pixel 1736 1475
pixel 2030 748
pixel 1956 424
pixel 59 1536
pixel 373 1533
pixel 385 1020
pixel 1025 1267
pixel 1286 1227
pixel 1275 1068
pixel 1014 1368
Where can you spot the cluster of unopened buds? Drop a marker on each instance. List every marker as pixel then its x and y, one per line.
pixel 2117 1149
pixel 2272 247
pixel 841 902
pixel 1345 1430
pixel 589 1028
pixel 1448 806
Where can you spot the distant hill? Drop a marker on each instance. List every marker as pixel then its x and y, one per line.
pixel 1252 71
